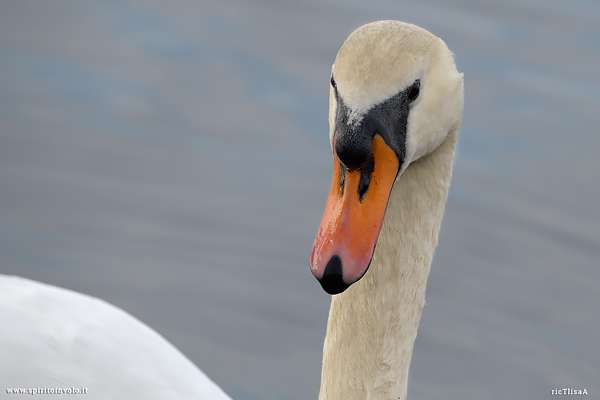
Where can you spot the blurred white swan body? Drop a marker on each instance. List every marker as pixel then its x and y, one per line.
pixel 56 338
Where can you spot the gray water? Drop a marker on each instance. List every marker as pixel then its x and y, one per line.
pixel 172 158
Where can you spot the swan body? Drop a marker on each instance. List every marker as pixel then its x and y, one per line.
pixel 395 109
pixel 59 339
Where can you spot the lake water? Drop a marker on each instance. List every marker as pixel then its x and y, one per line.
pixel 173 159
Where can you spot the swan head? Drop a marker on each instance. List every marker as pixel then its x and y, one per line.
pixel 395 94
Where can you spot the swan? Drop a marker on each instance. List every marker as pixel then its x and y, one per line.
pixel 396 103
pixel 57 341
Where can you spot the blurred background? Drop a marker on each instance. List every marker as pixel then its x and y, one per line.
pixel 173 158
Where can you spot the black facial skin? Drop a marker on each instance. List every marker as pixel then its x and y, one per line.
pixel 388 119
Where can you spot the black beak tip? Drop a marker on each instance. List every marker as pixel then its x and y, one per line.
pixel 333 280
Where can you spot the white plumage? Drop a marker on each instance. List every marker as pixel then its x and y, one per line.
pixel 58 338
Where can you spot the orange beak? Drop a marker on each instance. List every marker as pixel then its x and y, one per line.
pixel 351 222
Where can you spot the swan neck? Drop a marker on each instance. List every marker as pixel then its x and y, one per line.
pixel 372 326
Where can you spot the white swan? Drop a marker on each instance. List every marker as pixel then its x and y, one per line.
pixel 395 110
pixel 54 339
pixel 396 104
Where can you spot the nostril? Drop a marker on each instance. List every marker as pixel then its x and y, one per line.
pixel 365 177
pixel 343 178
pixel 333 280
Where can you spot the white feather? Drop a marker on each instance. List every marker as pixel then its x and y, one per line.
pixel 57 338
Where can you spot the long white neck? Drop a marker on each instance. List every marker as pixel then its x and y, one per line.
pixel 372 326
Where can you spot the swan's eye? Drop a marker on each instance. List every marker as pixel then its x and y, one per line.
pixel 413 92
pixel 333 83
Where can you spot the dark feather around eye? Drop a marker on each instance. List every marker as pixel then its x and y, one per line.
pixel 413 92
pixel 333 83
